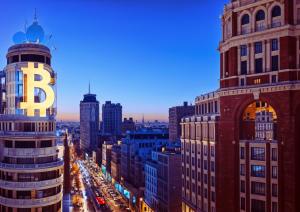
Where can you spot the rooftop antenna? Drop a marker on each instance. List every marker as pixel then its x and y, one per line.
pixel 89 88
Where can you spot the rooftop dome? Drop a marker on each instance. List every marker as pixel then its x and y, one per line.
pixel 33 34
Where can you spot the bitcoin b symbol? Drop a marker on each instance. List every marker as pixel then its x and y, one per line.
pixel 30 84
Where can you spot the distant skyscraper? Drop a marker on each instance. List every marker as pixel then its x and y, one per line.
pixel 128 125
pixel 175 116
pixel 89 122
pixel 31 172
pixel 112 118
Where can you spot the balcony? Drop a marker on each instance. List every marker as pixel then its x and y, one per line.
pixel 30 203
pixel 30 152
pixel 14 167
pixel 31 185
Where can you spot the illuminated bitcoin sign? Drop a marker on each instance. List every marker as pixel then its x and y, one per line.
pixel 30 83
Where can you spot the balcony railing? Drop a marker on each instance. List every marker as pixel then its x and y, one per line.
pixel 31 185
pixel 32 166
pixel 30 152
pixel 30 203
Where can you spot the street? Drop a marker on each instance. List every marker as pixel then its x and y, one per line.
pixel 96 194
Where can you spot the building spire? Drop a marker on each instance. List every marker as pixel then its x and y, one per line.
pixel 89 88
pixel 35 15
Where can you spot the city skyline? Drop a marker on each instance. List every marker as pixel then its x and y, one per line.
pixel 111 40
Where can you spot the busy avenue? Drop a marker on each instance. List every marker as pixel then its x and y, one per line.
pixel 96 194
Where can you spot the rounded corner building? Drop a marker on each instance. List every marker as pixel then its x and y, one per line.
pixel 31 174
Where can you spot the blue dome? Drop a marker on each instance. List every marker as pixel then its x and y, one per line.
pixel 19 38
pixel 35 33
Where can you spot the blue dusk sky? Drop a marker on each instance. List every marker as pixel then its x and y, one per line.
pixel 147 55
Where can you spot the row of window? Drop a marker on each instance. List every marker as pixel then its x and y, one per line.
pixel 29 177
pixel 27 126
pixel 259 171
pixel 39 160
pixel 258 153
pixel 258 205
pixel 207 108
pixel 50 208
pixel 199 191
pixel 29 58
pixel 28 144
pixel 258 47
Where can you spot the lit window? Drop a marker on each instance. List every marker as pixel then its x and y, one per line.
pixel 258 153
pixel 257 171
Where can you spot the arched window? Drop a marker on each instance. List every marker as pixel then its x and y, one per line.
pixel 245 19
pixel 260 15
pixel 276 11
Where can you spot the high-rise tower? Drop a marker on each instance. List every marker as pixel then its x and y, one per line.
pixel 112 118
pixel 89 122
pixel 31 174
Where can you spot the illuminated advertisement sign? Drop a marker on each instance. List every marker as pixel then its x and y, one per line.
pixel 35 77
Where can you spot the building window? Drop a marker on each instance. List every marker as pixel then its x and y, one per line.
pixel 212 151
pixel 242 152
pixel 260 15
pixel 275 62
pixel 243 67
pixel 274 154
pixel 242 169
pixel 274 190
pixel 258 205
pixel 276 11
pixel 205 178
pixel 274 78
pixel 212 183
pixel 258 47
pixel 243 50
pixel 274 172
pixel 242 82
pixel 258 188
pixel 205 164
pixel 243 186
pixel 245 19
pixel 205 193
pixel 274 44
pixel 258 171
pixel 243 204
pixel 213 196
pixel 274 207
pixel 258 65
pixel 212 166
pixel 258 153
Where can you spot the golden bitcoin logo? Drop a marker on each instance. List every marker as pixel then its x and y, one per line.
pixel 30 84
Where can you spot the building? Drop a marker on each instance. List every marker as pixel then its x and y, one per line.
pixel 240 150
pixel 106 159
pixel 175 116
pixel 163 180
pixel 31 173
pixel 112 118
pixel 89 122
pixel 128 125
pixel 116 162
pixel 136 149
pixel 150 194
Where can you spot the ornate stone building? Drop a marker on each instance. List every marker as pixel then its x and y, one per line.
pixel 259 96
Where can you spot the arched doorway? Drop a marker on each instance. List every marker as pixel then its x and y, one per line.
pixel 258 158
pixel 258 122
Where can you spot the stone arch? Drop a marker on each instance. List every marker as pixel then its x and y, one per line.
pixel 270 9
pixel 240 17
pixel 240 108
pixel 264 9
